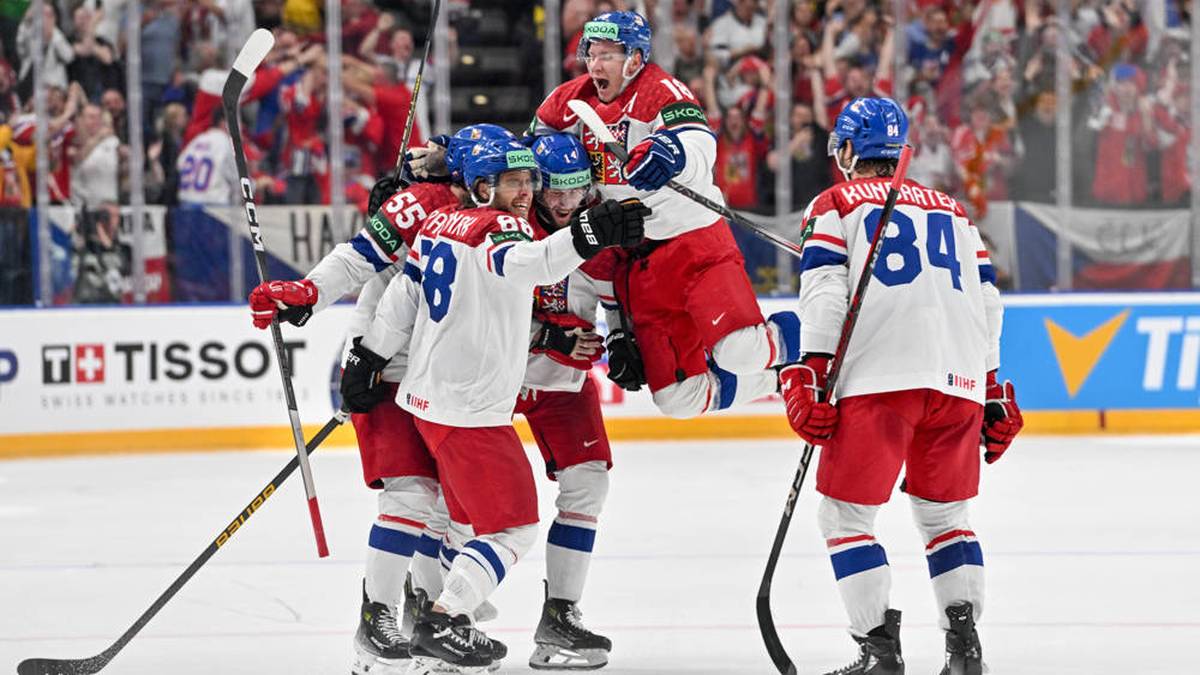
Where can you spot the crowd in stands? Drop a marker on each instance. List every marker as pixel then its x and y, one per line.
pixel 976 76
pixel 978 83
pixel 187 47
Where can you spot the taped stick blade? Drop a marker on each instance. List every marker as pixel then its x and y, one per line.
pixel 254 51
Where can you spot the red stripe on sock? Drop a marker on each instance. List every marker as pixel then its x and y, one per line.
pixel 403 521
pixel 571 515
pixel 846 540
pixel 948 535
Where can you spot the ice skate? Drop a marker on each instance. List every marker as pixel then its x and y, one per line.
pixel 445 644
pixel 879 651
pixel 563 643
pixel 964 654
pixel 379 648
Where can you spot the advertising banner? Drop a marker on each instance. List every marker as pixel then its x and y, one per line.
pixel 1103 352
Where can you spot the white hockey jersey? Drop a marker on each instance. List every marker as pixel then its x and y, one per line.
pixel 653 100
pixel 931 316
pixel 578 294
pixel 464 308
pixel 207 172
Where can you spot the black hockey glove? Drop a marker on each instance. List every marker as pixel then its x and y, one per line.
pixel 609 223
pixel 625 362
pixel 381 191
pixel 362 383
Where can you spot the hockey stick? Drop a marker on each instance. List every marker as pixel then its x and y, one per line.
pixel 95 663
pixel 766 623
pixel 591 119
pixel 252 54
pixel 412 104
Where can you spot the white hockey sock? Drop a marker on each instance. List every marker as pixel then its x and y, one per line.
pixel 582 489
pixel 427 569
pixel 481 566
pixel 404 504
pixel 953 554
pixel 859 563
pixel 716 389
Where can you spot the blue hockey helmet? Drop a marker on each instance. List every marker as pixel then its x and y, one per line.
pixel 877 128
pixel 465 138
pixel 628 28
pixel 486 160
pixel 563 161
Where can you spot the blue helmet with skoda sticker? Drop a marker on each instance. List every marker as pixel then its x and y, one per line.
pixel 628 28
pixel 563 162
pixel 486 160
pixel 464 139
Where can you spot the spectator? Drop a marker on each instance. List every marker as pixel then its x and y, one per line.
pixel 390 98
pixel 689 59
pixel 737 33
pixel 936 41
pixel 807 151
pixel 1123 134
pixel 1121 35
pixel 400 53
pixel 163 155
pixel 848 79
pixel 983 154
pixel 575 13
pixel 160 58
pixel 1172 111
pixel 1035 178
pixel 57 55
pixel 804 63
pixel 230 23
pixel 359 19
pixel 741 144
pixel 303 106
pixel 113 103
pixel 16 165
pixel 94 175
pixel 102 260
pixel 10 103
pixel 109 26
pixel 207 169
pixel 933 162
pixel 95 67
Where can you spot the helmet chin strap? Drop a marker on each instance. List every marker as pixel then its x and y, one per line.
pixel 491 196
pixel 846 171
pixel 626 79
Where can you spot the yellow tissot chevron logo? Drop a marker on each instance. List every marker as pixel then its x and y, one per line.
pixel 1078 355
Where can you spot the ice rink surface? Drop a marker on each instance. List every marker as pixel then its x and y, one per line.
pixel 1092 547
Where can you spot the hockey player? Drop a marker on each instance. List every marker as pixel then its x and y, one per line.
pixel 561 402
pixel 686 288
pixel 394 458
pixel 918 375
pixel 207 172
pixel 463 307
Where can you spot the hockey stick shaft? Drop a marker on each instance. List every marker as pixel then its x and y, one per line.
pixel 95 663
pixel 766 622
pixel 592 120
pixel 252 54
pixel 412 104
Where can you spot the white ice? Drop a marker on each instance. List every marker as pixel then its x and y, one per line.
pixel 1092 548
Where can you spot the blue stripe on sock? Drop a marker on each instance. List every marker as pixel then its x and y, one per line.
pixel 429 546
pixel 726 386
pixel 954 556
pixel 392 541
pixel 857 559
pixel 448 554
pixel 574 538
pixel 489 555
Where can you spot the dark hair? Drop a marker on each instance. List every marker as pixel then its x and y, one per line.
pixel 880 167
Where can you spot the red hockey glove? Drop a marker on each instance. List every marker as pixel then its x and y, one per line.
pixel 803 388
pixel 1001 418
pixel 567 339
pixel 291 300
